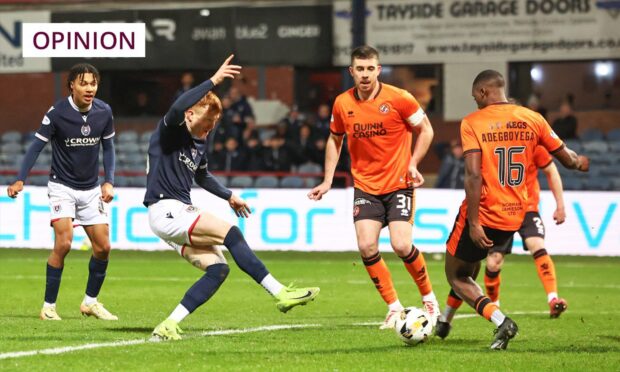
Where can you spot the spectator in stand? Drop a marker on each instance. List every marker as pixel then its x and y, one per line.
pixel 250 129
pixel 240 103
pixel 233 158
pixel 187 82
pixel 293 122
pixel 303 146
pixel 318 155
pixel 322 121
pixel 566 125
pixel 254 154
pixel 277 155
pixel 215 157
pixel 533 103
pixel 142 105
pixel 452 170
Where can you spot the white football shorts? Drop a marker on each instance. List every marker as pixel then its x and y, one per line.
pixel 172 221
pixel 85 207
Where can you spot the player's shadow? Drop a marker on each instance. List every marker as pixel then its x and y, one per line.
pixel 130 329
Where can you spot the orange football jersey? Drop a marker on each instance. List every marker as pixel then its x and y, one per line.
pixel 379 135
pixel 506 135
pixel 541 160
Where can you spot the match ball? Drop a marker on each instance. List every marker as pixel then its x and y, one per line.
pixel 413 326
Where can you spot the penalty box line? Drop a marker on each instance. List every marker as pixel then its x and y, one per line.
pixel 69 349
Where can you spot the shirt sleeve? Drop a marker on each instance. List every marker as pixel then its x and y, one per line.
pixel 547 137
pixel 409 109
pixel 108 131
pixel 468 138
pixel 46 130
pixel 542 157
pixel 336 125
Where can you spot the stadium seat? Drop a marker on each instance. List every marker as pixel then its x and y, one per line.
pixel 614 146
pixel 137 181
pixel 600 147
pixel 12 136
pixel 310 168
pixel 598 183
pixel 614 135
pixel 572 183
pixel 292 182
pixel 127 136
pixel 612 170
pixel 121 181
pixel 615 183
pixel 223 179
pixel 592 134
pixel 574 145
pixel 266 182
pixel 146 136
pixel 12 148
pixel 241 182
pixel 39 180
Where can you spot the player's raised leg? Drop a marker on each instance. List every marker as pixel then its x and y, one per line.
pixel 97 267
pixel 367 232
pixel 63 235
pixel 400 238
pixel 546 272
pixel 210 230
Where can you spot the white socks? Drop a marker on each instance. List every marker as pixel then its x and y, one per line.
pixel 179 313
pixel 47 304
pixel 395 306
pixel 429 297
pixel 551 296
pixel 89 300
pixel 447 314
pixel 272 285
pixel 498 317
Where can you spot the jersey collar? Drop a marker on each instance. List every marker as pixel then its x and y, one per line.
pixel 358 98
pixel 77 108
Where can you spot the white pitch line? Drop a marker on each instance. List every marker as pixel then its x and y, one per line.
pixel 69 349
pixel 464 316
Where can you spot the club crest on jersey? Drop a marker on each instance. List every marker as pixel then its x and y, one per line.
pixel 384 108
pixel 85 130
pixel 194 153
pixel 46 120
pixel 57 208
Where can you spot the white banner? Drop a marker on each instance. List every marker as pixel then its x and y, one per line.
pixel 441 31
pixel 87 40
pixel 11 30
pixel 287 220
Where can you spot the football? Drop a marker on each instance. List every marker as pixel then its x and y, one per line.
pixel 413 326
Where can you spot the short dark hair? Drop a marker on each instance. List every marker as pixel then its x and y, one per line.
pixel 364 52
pixel 489 77
pixel 78 71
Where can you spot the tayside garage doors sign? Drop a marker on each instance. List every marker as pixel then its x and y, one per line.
pixel 447 31
pixel 202 38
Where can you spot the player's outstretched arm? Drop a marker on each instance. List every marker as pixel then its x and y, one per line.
pixel 333 147
pixel 29 159
pixel 571 160
pixel 424 132
pixel 555 184
pixel 473 187
pixel 176 114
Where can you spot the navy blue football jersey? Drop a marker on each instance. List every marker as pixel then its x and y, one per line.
pixel 76 137
pixel 174 159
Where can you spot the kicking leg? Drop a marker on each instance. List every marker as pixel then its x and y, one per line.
pixel 210 230
pixel 546 272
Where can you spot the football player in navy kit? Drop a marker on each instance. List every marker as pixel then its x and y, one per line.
pixel 177 158
pixel 76 126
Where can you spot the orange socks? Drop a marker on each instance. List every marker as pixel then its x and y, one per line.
pixel 491 283
pixel 485 307
pixel 546 271
pixel 380 275
pixel 416 265
pixel 454 301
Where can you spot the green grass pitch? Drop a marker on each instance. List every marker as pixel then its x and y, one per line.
pixel 340 333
